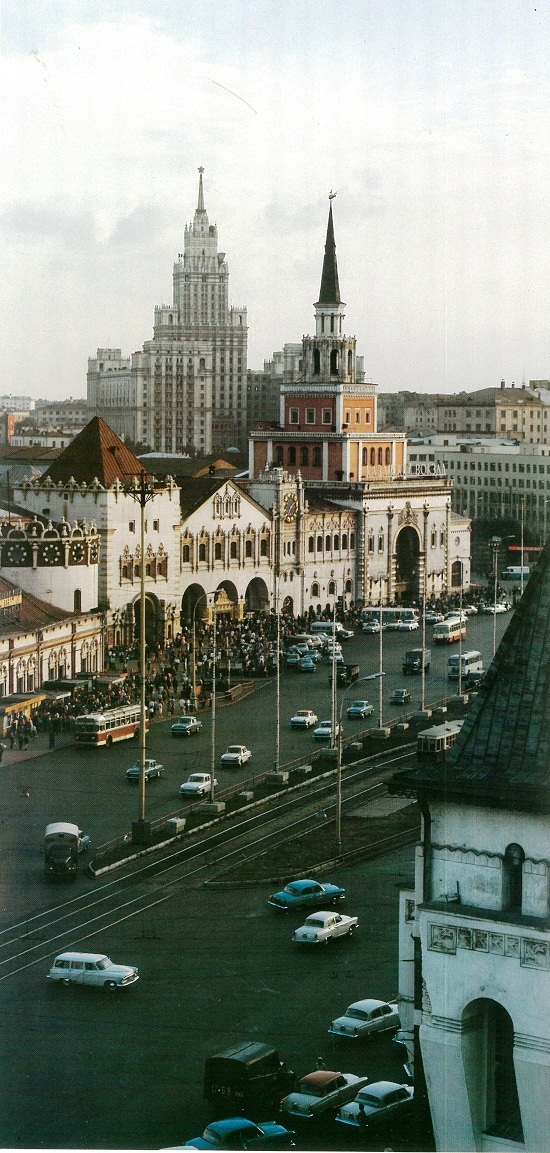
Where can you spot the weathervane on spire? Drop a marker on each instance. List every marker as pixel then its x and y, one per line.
pixel 331 195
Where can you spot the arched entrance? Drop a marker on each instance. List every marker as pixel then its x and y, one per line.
pixel 153 629
pixel 287 606
pixel 257 596
pixel 407 565
pixel 192 595
pixel 488 1055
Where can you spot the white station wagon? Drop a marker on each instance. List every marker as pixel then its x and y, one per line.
pixel 320 928
pixel 92 969
pixel 366 1017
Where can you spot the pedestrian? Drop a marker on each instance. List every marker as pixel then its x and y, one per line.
pixel 2 747
pixel 52 734
pixel 362 1117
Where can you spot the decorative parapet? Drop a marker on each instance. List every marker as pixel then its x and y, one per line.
pixel 39 544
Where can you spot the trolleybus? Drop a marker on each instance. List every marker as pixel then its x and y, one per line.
pixel 108 726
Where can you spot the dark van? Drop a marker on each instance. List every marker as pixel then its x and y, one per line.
pixel 248 1078
pixel 345 674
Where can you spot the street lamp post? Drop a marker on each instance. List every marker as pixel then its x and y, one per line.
pixel 202 597
pixel 142 490
pixel 460 637
pixel 495 542
pixel 522 524
pixel 338 826
pixel 381 666
pixel 213 724
pixel 277 757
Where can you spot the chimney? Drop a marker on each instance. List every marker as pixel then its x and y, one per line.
pixel 503 384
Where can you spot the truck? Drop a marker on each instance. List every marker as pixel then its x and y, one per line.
pixel 412 662
pixel 515 572
pixel 345 674
pixel 246 1079
pixel 63 842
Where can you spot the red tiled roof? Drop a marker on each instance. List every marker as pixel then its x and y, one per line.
pixel 97 452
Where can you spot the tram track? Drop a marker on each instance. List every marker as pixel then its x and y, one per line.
pixel 37 938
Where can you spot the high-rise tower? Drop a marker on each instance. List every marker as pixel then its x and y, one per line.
pixel 186 389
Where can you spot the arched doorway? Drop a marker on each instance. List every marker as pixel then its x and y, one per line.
pixel 153 631
pixel 287 607
pixel 257 596
pixel 407 565
pixel 488 1055
pixel 192 595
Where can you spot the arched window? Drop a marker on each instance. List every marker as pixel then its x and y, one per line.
pixel 315 589
pixel 336 543
pixel 77 601
pixel 218 550
pixel 292 455
pixel 311 544
pixel 331 588
pixel 380 542
pixel 248 548
pixel 512 895
pixel 184 555
pixel 372 456
pixel 365 456
pixel 379 456
pixel 304 455
pixel 317 457
pixel 344 540
pixel 350 362
pixel 233 550
pixel 371 542
pixel 388 456
pixel 349 586
pixel 319 544
pixel 316 362
pixel 327 544
pixel 279 456
pixel 202 552
pixel 125 572
pixel 334 362
pixel 488 1055
pixel 352 540
pixel 263 547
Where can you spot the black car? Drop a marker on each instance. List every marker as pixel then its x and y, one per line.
pixel 400 697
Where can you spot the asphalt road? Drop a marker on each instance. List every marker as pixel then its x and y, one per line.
pixel 82 1070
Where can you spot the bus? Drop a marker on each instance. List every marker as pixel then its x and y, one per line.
pixel 447 632
pixel 471 662
pixel 111 725
pixel 390 615
pixel 434 744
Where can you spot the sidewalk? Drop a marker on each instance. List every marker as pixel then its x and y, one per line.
pixel 36 748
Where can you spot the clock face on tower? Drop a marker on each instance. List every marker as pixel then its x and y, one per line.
pixel 290 507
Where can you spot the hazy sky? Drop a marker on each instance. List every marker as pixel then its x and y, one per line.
pixel 431 119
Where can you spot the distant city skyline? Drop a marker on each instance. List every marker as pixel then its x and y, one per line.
pixel 428 120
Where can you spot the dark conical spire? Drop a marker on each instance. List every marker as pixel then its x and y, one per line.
pixel 330 290
pixel 503 750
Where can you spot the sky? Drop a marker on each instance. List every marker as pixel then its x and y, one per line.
pixel 428 118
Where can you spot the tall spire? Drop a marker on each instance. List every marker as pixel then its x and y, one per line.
pixel 200 205
pixel 330 290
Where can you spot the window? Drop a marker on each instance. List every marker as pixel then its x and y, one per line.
pixel 202 552
pixel 327 416
pixel 344 540
pixel 316 362
pixel 248 548
pixel 155 526
pixel 315 589
pixel 317 457
pixel 379 456
pixel 132 526
pixel 310 416
pixel 292 455
pixel 365 456
pixel 331 588
pixel 388 456
pixel 294 416
pixel 77 601
pixel 185 554
pixel 371 542
pixel 381 542
pixel 336 543
pixel 319 544
pixel 263 547
pixel 327 543
pixel 233 550
pixel 304 455
pixel 311 544
pixel 512 895
pixel 373 456
pixel 279 456
pixel 218 550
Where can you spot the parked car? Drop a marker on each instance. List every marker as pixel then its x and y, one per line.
pixel 456 615
pixel 197 785
pixel 305 892
pixel 324 730
pixel 186 726
pixel 363 1018
pixel 307 665
pixel 360 709
pixel 152 770
pixel 473 680
pixel 236 755
pixel 406 626
pixel 325 926
pixel 470 610
pixel 321 1092
pixel 499 607
pixel 381 1102
pixel 239 1133
pixel 400 697
pixel 304 719
pixel 346 634
pixel 92 969
pixel 292 658
pixel 370 627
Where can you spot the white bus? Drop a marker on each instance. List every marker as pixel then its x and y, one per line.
pixel 447 632
pixel 111 725
pixel 390 615
pixel 471 662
